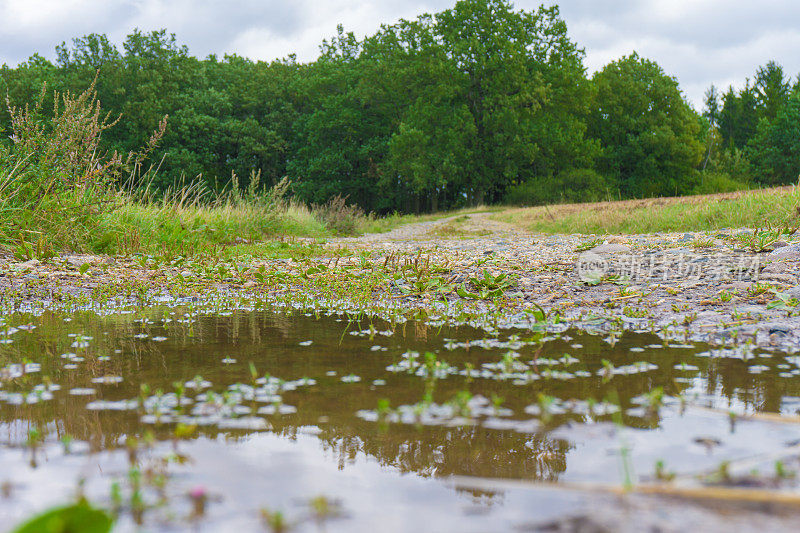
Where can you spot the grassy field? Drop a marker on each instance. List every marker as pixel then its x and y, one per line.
pixel 753 209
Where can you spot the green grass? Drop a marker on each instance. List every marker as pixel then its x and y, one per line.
pixel 750 209
pixel 138 228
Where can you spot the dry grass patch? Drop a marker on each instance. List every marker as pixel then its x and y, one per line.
pixel 687 213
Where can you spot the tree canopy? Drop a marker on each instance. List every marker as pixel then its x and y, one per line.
pixel 478 103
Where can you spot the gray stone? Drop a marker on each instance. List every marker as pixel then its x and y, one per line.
pixel 787 279
pixel 33 263
pixel 611 249
pixel 790 250
pixel 792 292
pixel 780 328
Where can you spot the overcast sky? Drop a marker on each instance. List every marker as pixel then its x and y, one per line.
pixel 698 41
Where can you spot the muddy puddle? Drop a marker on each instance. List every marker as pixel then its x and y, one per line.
pixel 177 418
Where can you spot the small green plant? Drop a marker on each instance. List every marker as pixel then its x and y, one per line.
pixel 275 521
pixel 782 473
pixel 725 296
pixel 633 312
pixel 703 243
pixel 662 474
pixel 588 245
pixel 384 408
pixel 487 286
pixel 655 399
pixel 66 443
pixel 323 508
pixel 460 403
pixel 35 439
pixel 41 250
pixel 626 464
pixel 763 239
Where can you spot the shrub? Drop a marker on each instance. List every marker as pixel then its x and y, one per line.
pixel 569 186
pixel 338 216
pixel 714 182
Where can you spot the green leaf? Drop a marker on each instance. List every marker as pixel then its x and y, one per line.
pixel 79 518
pixel 464 293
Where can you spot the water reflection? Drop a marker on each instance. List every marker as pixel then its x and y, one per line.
pixel 165 347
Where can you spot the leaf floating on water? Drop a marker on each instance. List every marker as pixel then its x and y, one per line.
pixel 105 405
pixel 250 423
pixel 82 392
pixel 108 380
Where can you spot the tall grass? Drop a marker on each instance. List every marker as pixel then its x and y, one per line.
pixel 187 229
pixel 55 181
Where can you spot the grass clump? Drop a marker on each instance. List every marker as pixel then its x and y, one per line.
pixel 339 217
pixel 189 223
pixel 55 181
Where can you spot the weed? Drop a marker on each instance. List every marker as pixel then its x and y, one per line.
pixel 275 521
pixel 487 286
pixel 662 474
pixel 783 302
pixel 588 245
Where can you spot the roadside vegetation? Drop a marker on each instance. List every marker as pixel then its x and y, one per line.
pixel 776 207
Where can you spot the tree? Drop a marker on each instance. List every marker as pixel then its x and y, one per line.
pixel 711 112
pixel 771 89
pixel 711 107
pixel 491 46
pixel 648 132
pixel 775 149
pixel 738 118
pixel 430 150
pixel 341 136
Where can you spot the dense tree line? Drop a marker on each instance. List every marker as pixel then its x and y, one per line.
pixel 478 103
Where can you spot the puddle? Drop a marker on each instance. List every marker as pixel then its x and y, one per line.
pixel 259 411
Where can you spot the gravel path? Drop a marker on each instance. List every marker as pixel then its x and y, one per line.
pixel 703 280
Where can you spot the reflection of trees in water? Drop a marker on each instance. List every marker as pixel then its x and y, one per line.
pixel 764 391
pixel 445 451
pixel 427 451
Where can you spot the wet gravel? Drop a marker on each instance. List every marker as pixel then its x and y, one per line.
pixel 703 282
